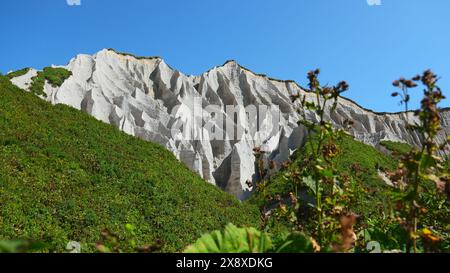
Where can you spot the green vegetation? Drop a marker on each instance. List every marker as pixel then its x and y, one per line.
pixel 396 147
pixel 357 161
pixel 356 158
pixel 55 76
pixel 346 194
pixel 20 246
pixel 422 180
pixel 232 240
pixel 249 240
pixel 64 176
pixel 18 73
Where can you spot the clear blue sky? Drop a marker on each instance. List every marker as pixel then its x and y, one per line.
pixel 369 46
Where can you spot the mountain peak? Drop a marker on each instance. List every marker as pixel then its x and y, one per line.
pixel 231 62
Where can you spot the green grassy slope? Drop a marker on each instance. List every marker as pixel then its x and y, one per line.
pixel 66 176
pixel 396 147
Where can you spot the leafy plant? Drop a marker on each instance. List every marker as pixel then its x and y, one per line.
pixel 232 240
pixel 251 240
pixel 20 246
pixel 298 242
pixel 319 173
pixel 423 166
pixel 344 176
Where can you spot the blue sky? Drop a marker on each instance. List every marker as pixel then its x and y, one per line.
pixel 368 46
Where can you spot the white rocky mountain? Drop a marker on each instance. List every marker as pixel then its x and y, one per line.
pixel 146 98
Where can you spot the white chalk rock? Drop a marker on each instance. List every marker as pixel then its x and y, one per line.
pixel 147 98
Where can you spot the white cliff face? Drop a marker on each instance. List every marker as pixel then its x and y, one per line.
pixel 146 98
pixel 24 81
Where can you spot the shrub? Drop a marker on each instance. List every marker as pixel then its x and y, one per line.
pixel 18 73
pixel 55 76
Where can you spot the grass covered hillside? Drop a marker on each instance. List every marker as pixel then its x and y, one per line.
pixel 65 176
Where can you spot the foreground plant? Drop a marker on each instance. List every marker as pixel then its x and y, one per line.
pixel 421 182
pixel 20 246
pixel 316 175
pixel 232 240
pixel 250 240
pixel 331 190
pixel 422 167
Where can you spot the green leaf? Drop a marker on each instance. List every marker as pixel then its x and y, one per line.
pixel 326 173
pixel 10 246
pixel 427 161
pixel 296 242
pixel 19 246
pixel 232 240
pixel 310 183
